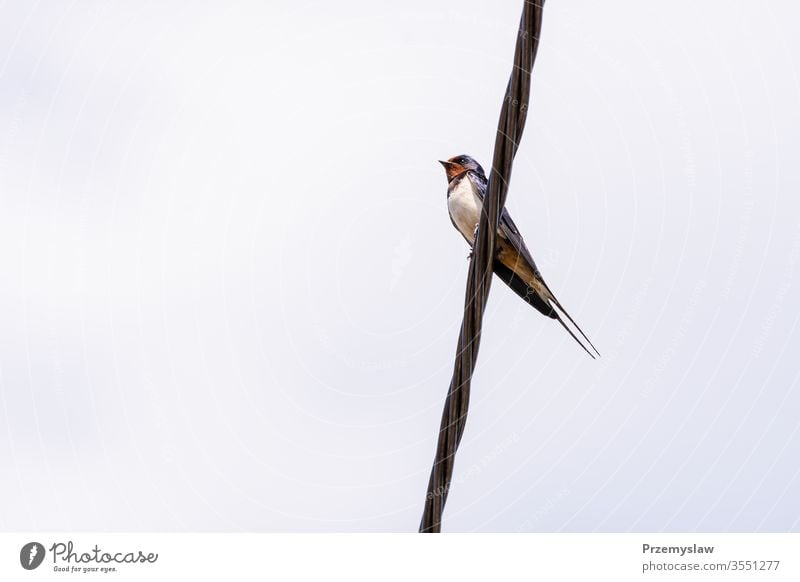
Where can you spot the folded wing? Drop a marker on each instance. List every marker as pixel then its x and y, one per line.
pixel 515 266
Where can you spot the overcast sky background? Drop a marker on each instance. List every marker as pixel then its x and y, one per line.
pixel 230 292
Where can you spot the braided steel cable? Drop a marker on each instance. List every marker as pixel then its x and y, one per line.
pixel 509 131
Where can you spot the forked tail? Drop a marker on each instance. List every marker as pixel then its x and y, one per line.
pixel 572 321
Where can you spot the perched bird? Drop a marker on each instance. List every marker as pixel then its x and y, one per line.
pixel 466 187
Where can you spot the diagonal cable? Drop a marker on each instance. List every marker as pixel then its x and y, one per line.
pixel 479 278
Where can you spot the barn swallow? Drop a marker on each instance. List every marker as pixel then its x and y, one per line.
pixel 513 264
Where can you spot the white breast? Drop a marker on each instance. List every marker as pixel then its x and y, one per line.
pixel 464 207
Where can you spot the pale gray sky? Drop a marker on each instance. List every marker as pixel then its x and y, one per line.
pixel 230 292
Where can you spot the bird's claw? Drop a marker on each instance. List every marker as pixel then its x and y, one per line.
pixel 474 240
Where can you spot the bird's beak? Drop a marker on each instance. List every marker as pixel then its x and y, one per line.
pixel 452 169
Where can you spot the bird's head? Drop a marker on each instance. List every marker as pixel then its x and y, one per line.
pixel 457 165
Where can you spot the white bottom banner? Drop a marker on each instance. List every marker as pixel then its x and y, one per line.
pixel 355 557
